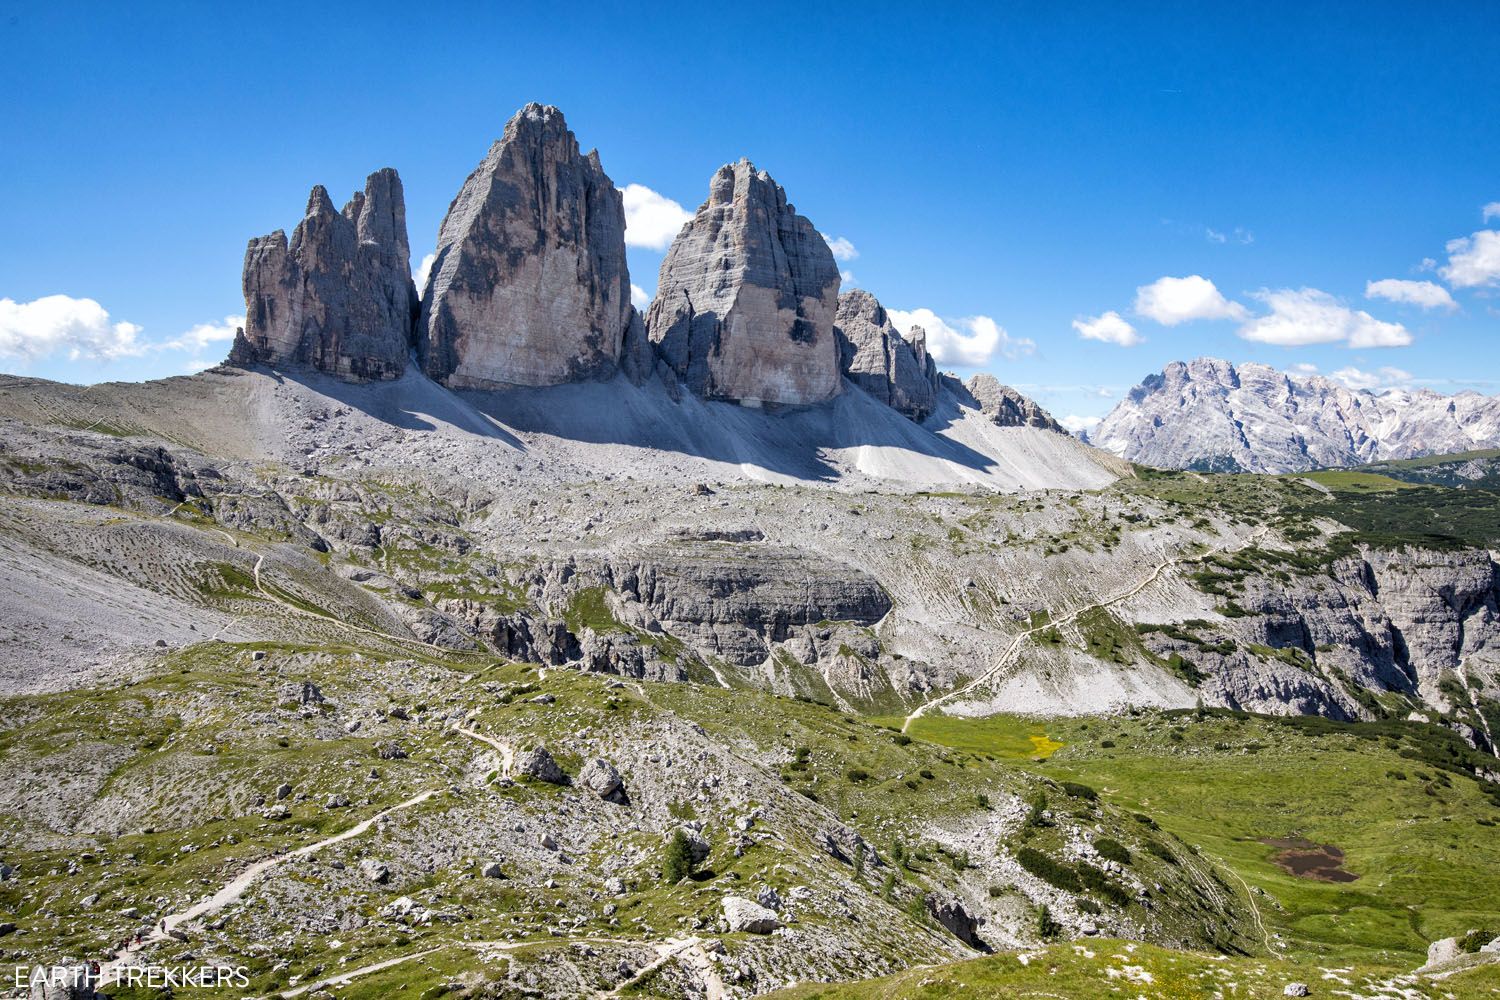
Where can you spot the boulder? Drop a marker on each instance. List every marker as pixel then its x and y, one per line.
pixel 1296 990
pixel 746 297
pixel 375 871
pixel 529 284
pixel 538 763
pixel 873 355
pixel 741 914
pixel 600 777
pixel 492 869
pixel 339 296
pixel 59 982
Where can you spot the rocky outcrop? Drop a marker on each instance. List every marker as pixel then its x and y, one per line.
pixel 746 297
pixel 339 297
pixel 529 285
pixel 734 601
pixel 1211 415
pixel 875 357
pixel 1003 405
pixel 950 913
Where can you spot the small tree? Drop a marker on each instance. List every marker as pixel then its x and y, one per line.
pixel 1046 927
pixel 678 862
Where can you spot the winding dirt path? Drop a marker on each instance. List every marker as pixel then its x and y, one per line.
pixel 235 888
pixel 1014 649
pixel 507 752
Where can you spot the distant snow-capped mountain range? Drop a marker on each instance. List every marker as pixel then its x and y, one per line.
pixel 1211 415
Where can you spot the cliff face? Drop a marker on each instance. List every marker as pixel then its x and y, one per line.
pixel 1414 621
pixel 875 357
pixel 1211 415
pixel 339 297
pixel 746 298
pixel 529 285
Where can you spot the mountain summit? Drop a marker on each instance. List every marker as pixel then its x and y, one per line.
pixel 1211 415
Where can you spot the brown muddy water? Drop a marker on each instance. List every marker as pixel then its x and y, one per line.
pixel 1303 858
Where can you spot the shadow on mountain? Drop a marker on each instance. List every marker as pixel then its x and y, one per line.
pixel 790 441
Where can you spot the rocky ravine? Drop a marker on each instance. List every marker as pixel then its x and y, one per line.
pixel 1211 415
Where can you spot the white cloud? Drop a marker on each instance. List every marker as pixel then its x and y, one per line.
pixel 56 324
pixel 638 297
pixel 651 220
pixel 1491 211
pixel 1303 368
pixel 1473 261
pixel 1077 424
pixel 1426 294
pixel 1244 237
pixel 1110 328
pixel 1170 301
pixel 848 280
pixel 203 335
pixel 1384 378
pixel 193 366
pixel 1309 316
pixel 841 247
pixel 423 270
pixel 967 343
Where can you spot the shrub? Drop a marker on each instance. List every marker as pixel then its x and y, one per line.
pixel 926 774
pixel 1046 927
pixel 1078 791
pixel 1146 821
pixel 1471 942
pixel 1113 850
pixel 1107 744
pixel 982 800
pixel 1052 872
pixel 1161 851
pixel 902 739
pixel 1035 813
pixel 677 863
pixel 858 774
pixel 1096 881
pixel 1090 907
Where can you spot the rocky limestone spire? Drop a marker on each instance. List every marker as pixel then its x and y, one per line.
pixel 746 297
pixel 875 357
pixel 1006 407
pixel 529 284
pixel 339 297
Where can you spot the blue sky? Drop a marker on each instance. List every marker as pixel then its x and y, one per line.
pixel 1017 170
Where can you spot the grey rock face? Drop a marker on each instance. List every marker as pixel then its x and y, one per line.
pixel 1211 415
pixel 746 297
pixel 876 358
pixel 734 600
pixel 1389 620
pixel 950 913
pixel 1004 405
pixel 529 286
pixel 339 297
